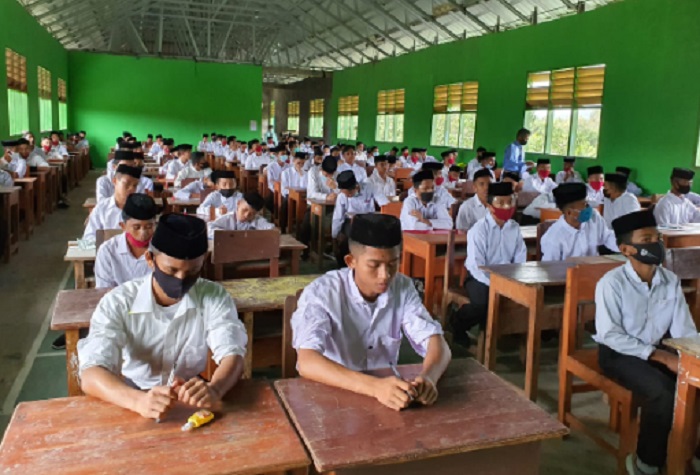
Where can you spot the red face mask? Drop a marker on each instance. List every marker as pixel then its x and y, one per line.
pixel 258 149
pixel 223 142
pixel 452 179
pixel 55 142
pixel 543 174
pixel 405 154
pixel 414 159
pixel 450 161
pixel 135 242
pixel 504 214
pixel 46 148
pixel 439 181
pixel 596 185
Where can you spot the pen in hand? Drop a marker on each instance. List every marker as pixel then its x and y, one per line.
pixel 171 380
pixel 398 375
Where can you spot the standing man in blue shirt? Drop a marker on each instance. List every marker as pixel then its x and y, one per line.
pixel 514 156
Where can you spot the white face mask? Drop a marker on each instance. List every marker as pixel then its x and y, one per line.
pixel 376 154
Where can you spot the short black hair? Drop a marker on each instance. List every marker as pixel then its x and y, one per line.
pixel 618 186
pixel 624 238
pixel 523 131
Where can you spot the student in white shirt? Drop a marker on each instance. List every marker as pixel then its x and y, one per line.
pixel 442 196
pixel 123 257
pixel 57 147
pixel 453 174
pixel 32 158
pixel 354 198
pixel 173 167
pixel 257 159
pixel 631 187
pixel 157 147
pixel 618 202
pixel 244 217
pixel 580 231
pixel 568 174
pixel 349 163
pixel 596 179
pixel 108 213
pixel 198 168
pixel 292 177
pixel 637 305
pixel 165 324
pixel 494 239
pixel 421 212
pixel 475 207
pixel 475 163
pixel 16 163
pixel 487 161
pixel 384 185
pixel 271 134
pixel 353 320
pixel 540 182
pixel 148 144
pixel 449 157
pixel 280 162
pixel 322 185
pixel 203 144
pixel 231 150
pixel 83 142
pixel 675 208
pixel 372 153
pixel 104 185
pixel 145 183
pixel 414 161
pixel 225 197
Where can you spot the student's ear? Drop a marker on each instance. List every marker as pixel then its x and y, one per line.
pixel 149 260
pixel 628 250
pixel 122 225
pixel 350 261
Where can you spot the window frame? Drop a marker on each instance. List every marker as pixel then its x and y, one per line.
pixel 391 106
pixel 348 117
pixel 293 116
pixel 316 111
pixel 45 100
pixel 467 104
pixel 17 92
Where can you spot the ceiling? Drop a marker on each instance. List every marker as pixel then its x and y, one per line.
pixel 292 39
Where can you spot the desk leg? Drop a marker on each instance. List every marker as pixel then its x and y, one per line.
pixel 79 272
pixel 429 280
pixel 682 417
pixel 321 240
pixel 532 365
pixel 72 365
pixel 492 327
pixel 296 257
pixel 8 226
pixel 248 362
pixel 405 261
pixel 291 210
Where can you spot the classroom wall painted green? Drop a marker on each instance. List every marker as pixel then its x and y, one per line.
pixel 177 98
pixel 20 32
pixel 651 106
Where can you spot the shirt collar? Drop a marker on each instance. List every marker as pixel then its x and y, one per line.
pixel 634 277
pixel 122 246
pixel 145 303
pixel 357 297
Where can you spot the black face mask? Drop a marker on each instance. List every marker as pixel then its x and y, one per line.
pixel 652 253
pixel 683 189
pixel 227 193
pixel 173 287
pixel 427 196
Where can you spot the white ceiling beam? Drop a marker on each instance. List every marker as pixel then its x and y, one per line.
pixel 370 25
pixel 569 4
pixel 137 36
pixel 192 40
pixel 473 18
pixel 160 32
pixel 511 8
pixel 397 22
pixel 428 19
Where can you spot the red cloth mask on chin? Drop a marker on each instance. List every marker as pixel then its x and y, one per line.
pixel 452 179
pixel 135 242
pixel 258 149
pixel 405 154
pixel 544 174
pixel 504 214
pixel 439 181
pixel 414 159
pixel 596 185
pixel 450 161
pixel 47 148
pixel 54 142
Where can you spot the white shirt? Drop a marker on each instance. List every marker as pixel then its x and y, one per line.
pixel 130 335
pixel 383 189
pixel 6 179
pixel 472 166
pixel 317 185
pixel 363 202
pixel 479 167
pixel 692 197
pixel 562 241
pixel 594 198
pixel 334 319
pixel 191 172
pixel 145 184
pixel 434 212
pixel 254 161
pixel 672 210
pixel 470 212
pixel 115 264
pixel 194 188
pixel 442 196
pixel 18 165
pixel 83 144
pixel 545 200
pixel 359 171
pixel 106 215
pixel 535 183
pixel 626 203
pixel 634 189
pixel 488 244
pixel 407 162
pixel 35 159
pixel 155 149
pixel 104 188
pixel 216 199
pixel 291 178
pixel 203 146
pixel 632 318
pixel 229 222
pixel 59 150
pixel 173 168
pixel 574 178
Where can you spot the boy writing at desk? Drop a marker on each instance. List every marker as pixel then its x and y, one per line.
pixel 160 327
pixel 352 320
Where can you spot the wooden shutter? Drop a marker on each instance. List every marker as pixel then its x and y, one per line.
pixel 354 106
pixel 317 107
pixel 562 88
pixel 440 100
pixel 400 101
pixel 589 85
pixel 382 102
pixel 454 97
pixel 16 71
pixel 538 90
pixel 62 93
pixel 44 83
pixel 470 96
pixel 293 108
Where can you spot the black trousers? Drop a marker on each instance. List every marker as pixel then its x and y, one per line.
pixel 476 312
pixel 343 247
pixel 270 202
pixel 283 213
pixel 305 230
pixel 655 385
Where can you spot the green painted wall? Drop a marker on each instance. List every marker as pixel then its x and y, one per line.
pixel 177 98
pixel 20 32
pixel 651 105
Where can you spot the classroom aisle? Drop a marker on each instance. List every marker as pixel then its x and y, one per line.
pixel 28 285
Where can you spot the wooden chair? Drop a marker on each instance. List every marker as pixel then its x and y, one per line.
pixel 656 197
pixel 394 208
pixel 453 292
pixel 541 229
pixel 102 235
pixel 525 198
pixel 468 189
pixel 402 174
pixel 575 362
pixel 236 247
pixel 685 263
pixel 549 214
pixel 289 354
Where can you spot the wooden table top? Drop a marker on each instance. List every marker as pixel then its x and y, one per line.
pixel 91 202
pixel 690 345
pixel 682 230
pixel 74 308
pixel 476 410
pixel 8 190
pixel 438 237
pixel 82 435
pixel 25 180
pixel 190 202
pixel 549 273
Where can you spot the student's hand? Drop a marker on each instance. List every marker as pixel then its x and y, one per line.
pixel 529 164
pixel 198 393
pixel 426 390
pixel 416 214
pixel 666 358
pixel 332 197
pixel 331 184
pixel 393 392
pixel 154 404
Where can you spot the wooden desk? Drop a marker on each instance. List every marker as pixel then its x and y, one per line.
pixel 687 236
pixel 41 194
pixel 79 257
pixel 479 424
pixel 9 203
pixel 319 210
pixel 429 248
pixel 296 207
pixel 73 310
pixel 251 435
pixel 684 428
pixel 277 202
pixel 644 202
pixel 90 203
pixel 180 206
pixel 27 199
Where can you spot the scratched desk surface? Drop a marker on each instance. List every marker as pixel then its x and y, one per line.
pixel 476 410
pixel 82 435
